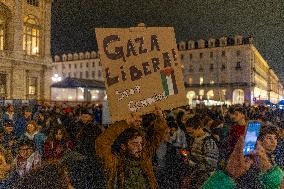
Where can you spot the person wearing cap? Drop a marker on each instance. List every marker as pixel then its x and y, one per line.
pixel 87 134
pixel 21 123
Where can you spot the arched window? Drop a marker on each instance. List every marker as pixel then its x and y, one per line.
pixel 238 96
pixel 210 94
pixel 190 96
pixel 31 39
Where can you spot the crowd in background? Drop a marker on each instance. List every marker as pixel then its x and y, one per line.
pixel 68 147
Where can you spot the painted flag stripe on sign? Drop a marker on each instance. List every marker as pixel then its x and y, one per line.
pixel 169 84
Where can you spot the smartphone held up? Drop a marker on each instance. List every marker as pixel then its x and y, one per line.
pixel 251 137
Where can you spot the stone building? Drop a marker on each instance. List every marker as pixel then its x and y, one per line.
pixel 227 70
pixel 25 60
pixel 83 65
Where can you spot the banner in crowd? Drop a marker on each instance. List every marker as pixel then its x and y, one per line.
pixel 142 69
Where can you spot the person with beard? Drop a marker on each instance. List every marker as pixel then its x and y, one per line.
pixel 87 134
pixel 131 165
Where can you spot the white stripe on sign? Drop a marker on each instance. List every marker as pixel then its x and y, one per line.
pixel 170 85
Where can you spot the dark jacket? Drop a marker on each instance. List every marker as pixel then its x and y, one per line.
pixel 86 139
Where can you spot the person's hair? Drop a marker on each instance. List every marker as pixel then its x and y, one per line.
pixel 125 137
pixel 56 129
pixel 268 129
pixel 195 122
pixel 7 155
pixel 51 175
pixel 26 142
pixel 241 110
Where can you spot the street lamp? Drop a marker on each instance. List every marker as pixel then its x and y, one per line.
pixel 56 78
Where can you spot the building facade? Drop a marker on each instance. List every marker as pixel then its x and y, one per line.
pixel 25 60
pixel 83 65
pixel 227 70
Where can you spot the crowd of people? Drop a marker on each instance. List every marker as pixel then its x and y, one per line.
pixel 68 147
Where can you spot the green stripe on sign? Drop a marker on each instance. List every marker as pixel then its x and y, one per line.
pixel 165 84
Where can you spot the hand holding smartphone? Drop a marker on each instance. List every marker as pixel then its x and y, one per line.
pixel 251 137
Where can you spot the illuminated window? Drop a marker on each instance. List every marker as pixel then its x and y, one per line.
pixel 31 37
pixel 201 80
pixel 190 80
pixel 33 2
pixel 201 92
pixel 212 82
pixel 32 86
pixel 3 84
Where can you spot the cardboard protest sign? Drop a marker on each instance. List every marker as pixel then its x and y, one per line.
pixel 141 69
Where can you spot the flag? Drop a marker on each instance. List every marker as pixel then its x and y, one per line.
pixel 169 81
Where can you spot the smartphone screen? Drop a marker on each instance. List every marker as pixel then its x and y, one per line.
pixel 251 137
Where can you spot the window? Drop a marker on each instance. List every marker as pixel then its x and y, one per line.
pixel 238 53
pixel 81 75
pixel 75 74
pixel 201 80
pixel 201 92
pixel 223 67
pixel 211 54
pixel 211 66
pixel 2 33
pixel 211 44
pixel 31 37
pixel 100 64
pixel 87 74
pixel 201 55
pixel 93 64
pixel 81 65
pixel 99 73
pixel 33 2
pixel 69 66
pixel 201 69
pixel 75 66
pixel 238 66
pixel 190 56
pixel 190 80
pixel 191 68
pixel 63 66
pixel 3 84
pixel 238 41
pixel 69 74
pixel 55 67
pixel 212 82
pixel 223 53
pixel 181 56
pixel 87 65
pixel 32 86
pixel 93 74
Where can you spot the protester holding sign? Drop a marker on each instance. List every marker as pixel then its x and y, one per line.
pixel 131 165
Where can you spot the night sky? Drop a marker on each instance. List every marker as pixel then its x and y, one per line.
pixel 73 22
